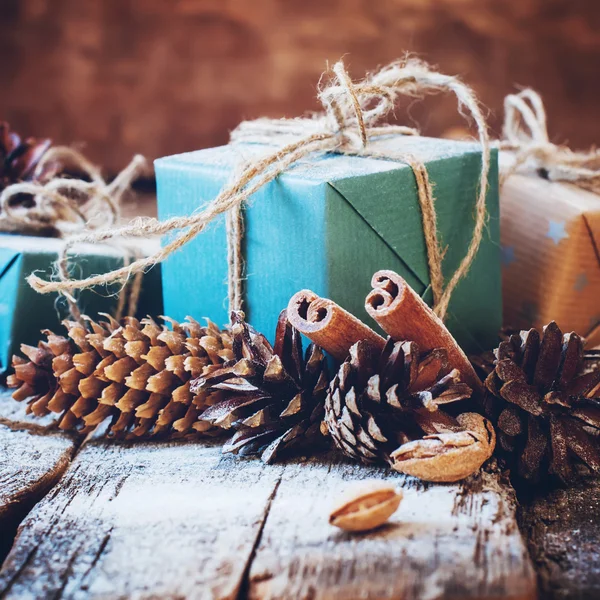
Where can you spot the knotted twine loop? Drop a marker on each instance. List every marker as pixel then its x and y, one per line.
pixel 354 114
pixel 64 206
pixel 525 133
pixel 67 205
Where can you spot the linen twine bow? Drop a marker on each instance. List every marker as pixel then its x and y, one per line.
pixel 354 114
pixel 526 134
pixel 66 206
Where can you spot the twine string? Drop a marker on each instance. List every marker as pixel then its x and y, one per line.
pixel 525 134
pixel 354 114
pixel 428 217
pixel 65 206
pixel 235 257
pixel 131 290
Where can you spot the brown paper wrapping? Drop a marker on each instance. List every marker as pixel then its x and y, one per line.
pixel 550 235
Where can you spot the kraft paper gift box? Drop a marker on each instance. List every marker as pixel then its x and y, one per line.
pixel 551 260
pixel 328 224
pixel 24 312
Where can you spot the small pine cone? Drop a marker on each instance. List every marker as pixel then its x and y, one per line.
pixel 377 402
pixel 18 158
pixel 273 397
pixel 137 373
pixel 484 363
pixel 545 404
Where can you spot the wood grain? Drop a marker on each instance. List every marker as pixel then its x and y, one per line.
pixel 182 521
pixel 445 541
pixel 563 531
pixel 154 520
pixel 32 460
pixel 30 464
pixel 12 412
pixel 167 76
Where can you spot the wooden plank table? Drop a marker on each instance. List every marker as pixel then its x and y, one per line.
pixel 445 541
pixel 31 462
pixel 168 521
pixel 180 520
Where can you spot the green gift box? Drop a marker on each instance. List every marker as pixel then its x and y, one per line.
pixel 24 312
pixel 328 224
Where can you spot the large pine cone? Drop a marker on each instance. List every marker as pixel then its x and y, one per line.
pixel 545 404
pixel 136 372
pixel 273 396
pixel 18 158
pixel 377 402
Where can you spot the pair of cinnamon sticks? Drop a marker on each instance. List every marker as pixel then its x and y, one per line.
pixel 398 310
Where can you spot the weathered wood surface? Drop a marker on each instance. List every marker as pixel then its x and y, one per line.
pixel 445 541
pixel 12 412
pixel 31 462
pixel 181 520
pixel 157 520
pixel 563 530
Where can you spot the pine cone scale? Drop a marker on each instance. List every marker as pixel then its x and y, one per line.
pixel 579 443
pixel 99 371
pixel 549 356
pixel 523 395
pixel 509 422
pixel 272 396
pixel 545 404
pixel 377 403
pixel 587 385
pixel 588 415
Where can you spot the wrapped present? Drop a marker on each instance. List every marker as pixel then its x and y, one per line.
pixel 550 240
pixel 24 312
pixel 323 202
pixel 550 226
pixel 47 196
pixel 328 225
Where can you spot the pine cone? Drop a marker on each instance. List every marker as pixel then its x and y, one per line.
pixel 18 158
pixel 274 396
pixel 376 403
pixel 136 372
pixel 484 363
pixel 545 404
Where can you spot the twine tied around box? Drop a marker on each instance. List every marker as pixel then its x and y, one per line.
pixel 354 114
pixel 525 133
pixel 64 206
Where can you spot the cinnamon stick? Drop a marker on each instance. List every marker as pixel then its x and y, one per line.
pixel 403 315
pixel 329 325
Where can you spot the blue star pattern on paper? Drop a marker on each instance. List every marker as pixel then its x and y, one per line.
pixel 557 231
pixel 581 282
pixel 508 255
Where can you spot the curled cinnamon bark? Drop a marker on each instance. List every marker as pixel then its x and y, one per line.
pixel 329 325
pixel 403 315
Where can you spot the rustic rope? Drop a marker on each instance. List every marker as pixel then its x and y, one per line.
pixel 67 205
pixel 429 219
pixel 354 114
pixel 526 135
pixel 130 292
pixel 235 258
pixel 64 206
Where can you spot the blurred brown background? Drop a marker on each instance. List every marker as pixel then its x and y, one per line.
pixel 166 76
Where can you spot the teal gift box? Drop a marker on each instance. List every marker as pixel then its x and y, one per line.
pixel 24 312
pixel 327 224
